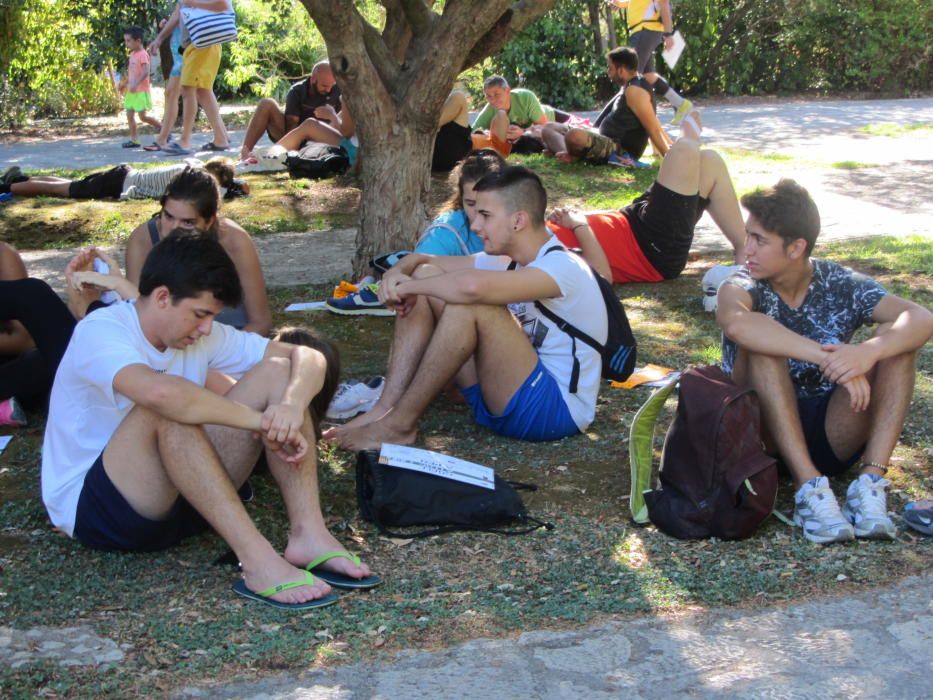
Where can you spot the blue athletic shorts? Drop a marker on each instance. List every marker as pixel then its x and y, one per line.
pixel 106 521
pixel 351 149
pixel 535 412
pixel 813 420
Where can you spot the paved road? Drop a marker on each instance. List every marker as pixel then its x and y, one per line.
pixel 894 197
pixel 870 645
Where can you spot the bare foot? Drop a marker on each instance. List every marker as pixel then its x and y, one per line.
pixel 277 571
pixel 372 435
pixel 373 414
pixel 300 551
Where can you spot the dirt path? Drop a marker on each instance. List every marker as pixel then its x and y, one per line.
pixel 885 188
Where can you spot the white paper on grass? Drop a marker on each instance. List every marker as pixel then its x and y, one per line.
pixel 672 55
pixel 306 306
pixel 4 441
pixel 437 464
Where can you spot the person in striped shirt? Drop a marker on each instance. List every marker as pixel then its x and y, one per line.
pixel 120 182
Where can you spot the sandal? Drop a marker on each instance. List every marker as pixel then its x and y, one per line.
pixel 131 144
pixel 211 146
pixel 175 149
pixel 152 147
pixel 338 580
pixel 266 596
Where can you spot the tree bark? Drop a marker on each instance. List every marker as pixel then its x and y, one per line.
pixel 395 83
pixel 599 43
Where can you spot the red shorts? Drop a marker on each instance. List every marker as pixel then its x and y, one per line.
pixel 614 234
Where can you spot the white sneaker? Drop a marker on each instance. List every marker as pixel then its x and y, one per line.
pixel 713 278
pixel 353 399
pixel 867 508
pixel 817 512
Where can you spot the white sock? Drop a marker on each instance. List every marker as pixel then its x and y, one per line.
pixel 672 97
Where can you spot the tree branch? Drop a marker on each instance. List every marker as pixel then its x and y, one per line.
pixel 397 32
pixel 420 17
pixel 512 21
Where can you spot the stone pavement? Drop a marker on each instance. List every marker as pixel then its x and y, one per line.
pixel 892 197
pixel 867 645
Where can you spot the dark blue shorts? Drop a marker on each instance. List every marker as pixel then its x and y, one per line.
pixel 106 521
pixel 535 412
pixel 813 419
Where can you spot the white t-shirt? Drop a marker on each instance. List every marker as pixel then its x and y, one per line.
pixel 84 408
pixel 580 303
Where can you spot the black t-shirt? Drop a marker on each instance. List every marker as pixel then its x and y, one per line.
pixel 618 122
pixel 303 99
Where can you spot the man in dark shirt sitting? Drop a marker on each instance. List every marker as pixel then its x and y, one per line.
pixel 625 125
pixel 312 98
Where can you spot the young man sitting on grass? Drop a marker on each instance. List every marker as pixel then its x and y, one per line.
pixel 472 319
pixel 787 321
pixel 138 454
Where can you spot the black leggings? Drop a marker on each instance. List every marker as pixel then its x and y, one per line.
pixel 28 376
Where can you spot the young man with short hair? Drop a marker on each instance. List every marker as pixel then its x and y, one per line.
pixel 138 454
pixel 473 319
pixel 826 403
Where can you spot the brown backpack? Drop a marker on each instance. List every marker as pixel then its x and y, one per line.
pixel 715 478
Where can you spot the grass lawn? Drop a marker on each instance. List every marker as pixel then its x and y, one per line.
pixel 182 626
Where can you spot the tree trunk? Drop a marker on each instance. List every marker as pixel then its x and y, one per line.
pixel 396 179
pixel 394 84
pixel 611 25
pixel 599 44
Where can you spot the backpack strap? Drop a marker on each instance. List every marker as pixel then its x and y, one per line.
pixel 641 450
pixel 567 327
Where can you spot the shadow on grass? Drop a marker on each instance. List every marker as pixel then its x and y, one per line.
pixel 184 626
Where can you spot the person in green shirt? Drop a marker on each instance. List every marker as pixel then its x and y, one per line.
pixel 524 110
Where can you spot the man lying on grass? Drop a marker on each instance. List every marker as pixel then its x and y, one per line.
pixel 138 454
pixel 787 321
pixel 472 319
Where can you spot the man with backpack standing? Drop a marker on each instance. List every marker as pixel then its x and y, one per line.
pixel 474 319
pixel 787 322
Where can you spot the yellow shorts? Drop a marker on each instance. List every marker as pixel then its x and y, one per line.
pixel 199 67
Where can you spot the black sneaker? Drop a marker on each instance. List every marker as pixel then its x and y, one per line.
pixel 12 176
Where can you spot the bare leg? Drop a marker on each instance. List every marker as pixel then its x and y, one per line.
pixel 208 102
pixel 189 111
pixel 892 386
pixel 680 169
pixel 456 109
pixel 267 117
pixel 769 377
pixel 553 136
pixel 310 130
pixel 131 121
pixel 503 360
pixel 172 92
pixel 716 185
pixel 151 121
pixel 36 186
pixel 499 126
pixel 308 535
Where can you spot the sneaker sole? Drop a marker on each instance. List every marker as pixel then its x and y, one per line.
pixel 918 525
pixel 824 539
pixel 876 531
pixel 677 119
pixel 359 312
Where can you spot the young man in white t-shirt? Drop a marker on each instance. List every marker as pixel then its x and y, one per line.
pixel 472 319
pixel 138 454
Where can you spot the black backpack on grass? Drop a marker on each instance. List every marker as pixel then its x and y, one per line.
pixel 317 161
pixel 618 352
pixel 716 479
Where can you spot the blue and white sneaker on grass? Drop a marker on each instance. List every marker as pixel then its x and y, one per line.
pixel 866 508
pixel 817 512
pixel 364 303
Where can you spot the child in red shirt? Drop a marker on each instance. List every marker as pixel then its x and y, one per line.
pixel 135 86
